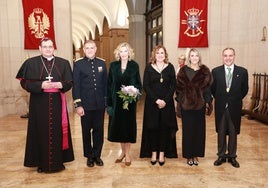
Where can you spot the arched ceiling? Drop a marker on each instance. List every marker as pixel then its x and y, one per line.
pixel 89 14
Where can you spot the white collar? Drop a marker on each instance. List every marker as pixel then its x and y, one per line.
pixel 49 58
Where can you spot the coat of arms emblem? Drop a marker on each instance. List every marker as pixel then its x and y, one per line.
pixel 193 22
pixel 38 23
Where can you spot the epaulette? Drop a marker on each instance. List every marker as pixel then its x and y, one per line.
pixel 78 59
pixel 101 58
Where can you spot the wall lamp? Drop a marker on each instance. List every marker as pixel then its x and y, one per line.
pixel 264 33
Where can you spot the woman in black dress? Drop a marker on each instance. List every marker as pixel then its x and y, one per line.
pixel 159 121
pixel 194 97
pixel 122 125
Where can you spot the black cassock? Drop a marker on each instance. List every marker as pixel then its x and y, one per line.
pixel 44 134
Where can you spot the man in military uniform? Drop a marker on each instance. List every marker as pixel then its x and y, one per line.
pixel 89 92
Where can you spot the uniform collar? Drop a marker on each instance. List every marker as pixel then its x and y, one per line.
pixel 90 60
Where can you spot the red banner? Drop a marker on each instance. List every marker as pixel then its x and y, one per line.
pixel 193 23
pixel 38 22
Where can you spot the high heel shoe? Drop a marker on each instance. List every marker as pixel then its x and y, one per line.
pixel 120 160
pixel 127 163
pixel 127 160
pixel 153 158
pixel 161 157
pixel 190 162
pixel 161 163
pixel 195 161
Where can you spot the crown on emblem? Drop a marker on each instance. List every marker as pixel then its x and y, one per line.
pixel 193 11
pixel 38 10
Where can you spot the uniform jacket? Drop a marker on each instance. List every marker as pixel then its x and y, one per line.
pixel 90 83
pixel 238 90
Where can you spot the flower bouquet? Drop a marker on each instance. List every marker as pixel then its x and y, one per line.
pixel 128 95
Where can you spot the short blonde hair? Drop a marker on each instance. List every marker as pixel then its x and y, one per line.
pixel 129 48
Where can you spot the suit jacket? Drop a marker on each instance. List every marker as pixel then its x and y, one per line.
pixel 238 90
pixel 90 83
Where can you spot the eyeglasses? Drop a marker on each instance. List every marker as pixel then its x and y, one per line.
pixel 47 47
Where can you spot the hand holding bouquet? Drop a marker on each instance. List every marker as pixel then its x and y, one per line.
pixel 128 95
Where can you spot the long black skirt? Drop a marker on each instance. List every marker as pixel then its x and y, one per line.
pixel 193 133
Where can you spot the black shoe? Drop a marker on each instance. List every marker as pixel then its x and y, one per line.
pixel 219 161
pixel 39 170
pixel 153 162
pixel 57 170
pixel 60 169
pixel 52 171
pixel 98 161
pixel 196 163
pixel 25 115
pixel 161 163
pixel 233 162
pixel 90 162
pixel 190 162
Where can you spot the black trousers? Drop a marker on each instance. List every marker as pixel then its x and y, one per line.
pixel 92 132
pixel 227 129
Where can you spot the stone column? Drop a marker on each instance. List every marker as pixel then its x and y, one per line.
pixel 137 39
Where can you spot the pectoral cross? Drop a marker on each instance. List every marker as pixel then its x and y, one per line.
pixel 49 78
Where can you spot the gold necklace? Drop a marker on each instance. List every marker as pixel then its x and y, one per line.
pixel 160 71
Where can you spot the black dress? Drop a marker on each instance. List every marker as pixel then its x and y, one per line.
pixel 44 134
pixel 155 118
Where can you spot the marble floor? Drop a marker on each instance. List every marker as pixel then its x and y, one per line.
pixel 252 155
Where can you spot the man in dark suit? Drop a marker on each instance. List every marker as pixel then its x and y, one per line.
pixel 229 87
pixel 89 93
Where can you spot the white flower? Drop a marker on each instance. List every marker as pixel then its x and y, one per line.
pixel 130 91
pixel 128 95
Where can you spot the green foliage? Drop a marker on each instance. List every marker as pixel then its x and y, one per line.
pixel 126 99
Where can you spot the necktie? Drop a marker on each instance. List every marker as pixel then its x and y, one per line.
pixel 229 74
pixel 228 79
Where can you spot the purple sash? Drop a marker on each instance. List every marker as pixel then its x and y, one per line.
pixel 64 119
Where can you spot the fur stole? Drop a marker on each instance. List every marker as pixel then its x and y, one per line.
pixel 190 92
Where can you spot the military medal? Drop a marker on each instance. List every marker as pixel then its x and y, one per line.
pixel 227 89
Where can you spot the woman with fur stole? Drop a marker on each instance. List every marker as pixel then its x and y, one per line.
pixel 194 98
